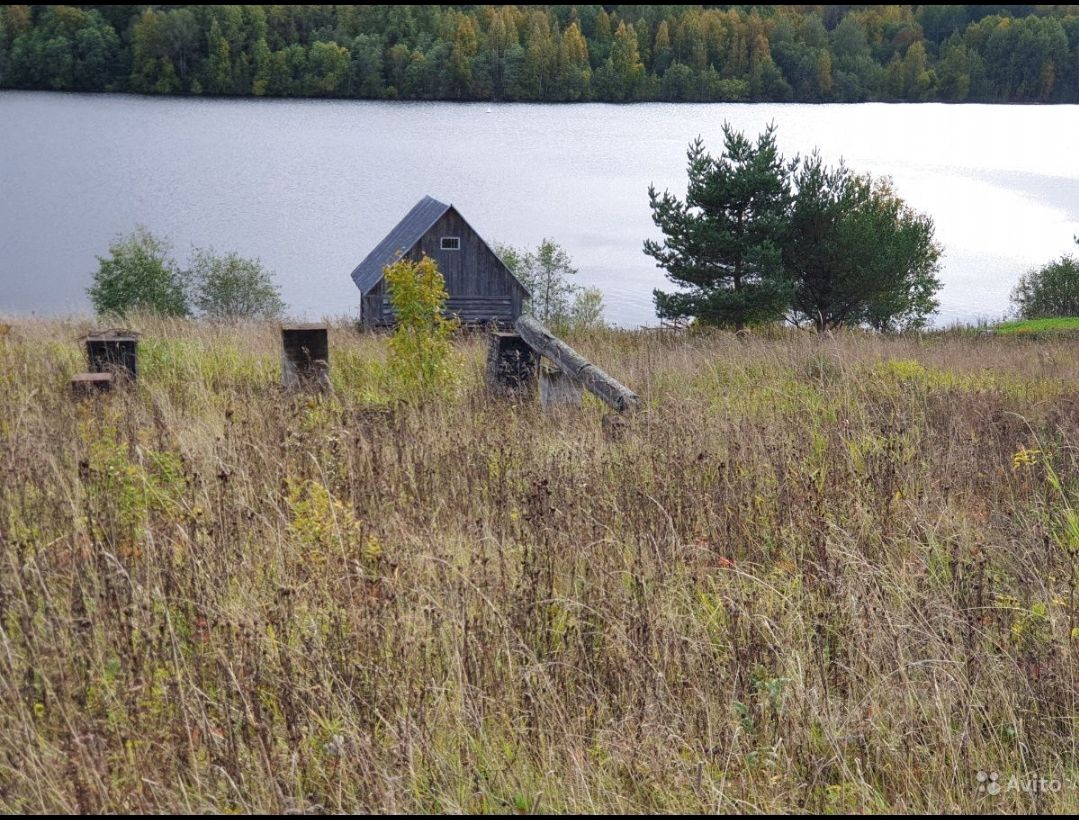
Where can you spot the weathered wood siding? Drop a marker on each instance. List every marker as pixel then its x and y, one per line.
pixel 480 287
pixel 371 307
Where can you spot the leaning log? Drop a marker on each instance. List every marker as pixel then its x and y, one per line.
pixel 576 366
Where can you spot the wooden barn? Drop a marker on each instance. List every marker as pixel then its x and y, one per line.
pixel 480 286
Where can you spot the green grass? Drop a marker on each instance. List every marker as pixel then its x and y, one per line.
pixel 1054 325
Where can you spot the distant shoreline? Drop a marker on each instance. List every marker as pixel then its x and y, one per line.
pixel 184 95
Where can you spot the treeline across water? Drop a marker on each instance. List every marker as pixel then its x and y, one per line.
pixel 551 53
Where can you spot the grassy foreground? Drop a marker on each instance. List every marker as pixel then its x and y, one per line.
pixel 810 575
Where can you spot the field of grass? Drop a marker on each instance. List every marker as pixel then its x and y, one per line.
pixel 827 575
pixel 1060 325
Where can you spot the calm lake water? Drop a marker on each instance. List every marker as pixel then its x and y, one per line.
pixel 310 187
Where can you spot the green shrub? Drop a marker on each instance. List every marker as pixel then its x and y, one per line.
pixel 1050 291
pixel 231 287
pixel 420 351
pixel 139 274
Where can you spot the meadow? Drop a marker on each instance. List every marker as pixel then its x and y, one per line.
pixel 810 574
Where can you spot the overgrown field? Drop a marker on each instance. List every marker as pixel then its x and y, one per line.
pixel 809 575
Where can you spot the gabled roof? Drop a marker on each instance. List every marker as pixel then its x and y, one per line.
pixel 399 241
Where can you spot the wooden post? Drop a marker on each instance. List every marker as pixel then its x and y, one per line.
pixel 576 366
pixel 85 385
pixel 511 365
pixel 305 357
pixel 556 388
pixel 113 351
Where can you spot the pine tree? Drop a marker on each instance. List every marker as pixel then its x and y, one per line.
pixel 662 55
pixel 601 38
pixel 261 82
pixel 219 66
pixel 722 242
pixel 856 254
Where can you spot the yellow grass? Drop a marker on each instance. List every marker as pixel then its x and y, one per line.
pixel 827 575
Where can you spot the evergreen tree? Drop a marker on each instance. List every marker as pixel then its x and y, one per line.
pixel 624 71
pixel 722 242
pixel 178 37
pixel 804 53
pixel 219 66
pixel 263 68
pixel 365 78
pixel 662 56
pixel 602 38
pixel 856 253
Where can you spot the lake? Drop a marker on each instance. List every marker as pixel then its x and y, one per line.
pixel 310 186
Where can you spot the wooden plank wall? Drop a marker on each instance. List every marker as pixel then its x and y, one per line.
pixel 480 288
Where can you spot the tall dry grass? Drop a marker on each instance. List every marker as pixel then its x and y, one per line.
pixel 809 575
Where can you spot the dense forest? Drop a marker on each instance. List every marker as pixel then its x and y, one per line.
pixel 551 53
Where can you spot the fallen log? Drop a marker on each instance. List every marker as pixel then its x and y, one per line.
pixel 576 366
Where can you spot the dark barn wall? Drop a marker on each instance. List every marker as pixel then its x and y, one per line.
pixel 371 313
pixel 480 287
pixel 471 271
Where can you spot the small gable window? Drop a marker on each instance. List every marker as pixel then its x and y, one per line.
pixel 451 243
